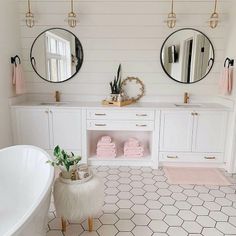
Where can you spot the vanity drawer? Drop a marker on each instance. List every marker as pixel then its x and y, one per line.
pixel 120 115
pixel 120 125
pixel 191 157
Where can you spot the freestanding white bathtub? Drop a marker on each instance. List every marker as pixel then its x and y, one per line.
pixel 25 190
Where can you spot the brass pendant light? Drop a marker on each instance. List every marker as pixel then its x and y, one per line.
pixel 72 18
pixel 171 20
pixel 29 17
pixel 214 19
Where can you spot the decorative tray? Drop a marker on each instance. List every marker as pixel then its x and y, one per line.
pixel 79 181
pixel 118 104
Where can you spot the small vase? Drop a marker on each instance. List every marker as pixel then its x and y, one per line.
pixel 119 98
pixel 68 174
pixel 114 97
pixel 83 171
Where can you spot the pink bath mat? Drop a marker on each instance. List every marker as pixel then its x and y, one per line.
pixel 196 176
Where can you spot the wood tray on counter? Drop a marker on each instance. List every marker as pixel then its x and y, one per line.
pixel 118 104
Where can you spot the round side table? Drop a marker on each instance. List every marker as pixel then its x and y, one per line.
pixel 76 200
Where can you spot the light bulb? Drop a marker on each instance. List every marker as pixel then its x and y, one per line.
pixel 171 20
pixel 72 19
pixel 214 20
pixel 29 19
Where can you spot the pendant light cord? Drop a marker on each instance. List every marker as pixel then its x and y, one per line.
pixel 72 6
pixel 29 7
pixel 172 7
pixel 215 6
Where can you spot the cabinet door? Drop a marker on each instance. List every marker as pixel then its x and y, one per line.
pixel 209 131
pixel 176 131
pixel 66 128
pixel 33 127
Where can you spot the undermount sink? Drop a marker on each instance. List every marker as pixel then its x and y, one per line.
pixel 52 103
pixel 188 105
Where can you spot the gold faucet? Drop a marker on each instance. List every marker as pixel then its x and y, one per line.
pixel 57 96
pixel 186 98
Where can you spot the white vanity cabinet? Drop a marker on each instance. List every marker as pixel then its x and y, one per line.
pixel 48 127
pixel 193 136
pixel 66 128
pixel 168 134
pixel 209 131
pixel 176 131
pixel 31 127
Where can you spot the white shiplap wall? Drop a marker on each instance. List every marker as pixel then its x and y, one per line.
pixel 130 32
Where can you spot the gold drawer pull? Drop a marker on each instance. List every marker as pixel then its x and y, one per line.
pixel 172 157
pixel 141 115
pixel 210 158
pixel 100 125
pixel 100 114
pixel 137 125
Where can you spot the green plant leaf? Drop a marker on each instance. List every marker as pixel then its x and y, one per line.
pixel 62 158
pixel 111 86
pixel 57 151
pixel 118 72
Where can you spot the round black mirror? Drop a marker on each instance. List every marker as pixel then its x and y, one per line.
pixel 56 55
pixel 187 56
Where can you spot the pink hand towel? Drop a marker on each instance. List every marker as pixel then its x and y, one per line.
pixel 18 79
pixel 134 156
pixel 136 149
pixel 226 81
pixel 132 142
pixel 106 139
pixel 133 152
pixel 106 154
pixel 106 151
pixel 101 144
pixel 106 148
pixel 231 79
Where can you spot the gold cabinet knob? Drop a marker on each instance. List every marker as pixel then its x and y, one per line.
pixel 172 157
pixel 210 158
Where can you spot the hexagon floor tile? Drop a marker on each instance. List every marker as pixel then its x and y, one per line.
pixel 139 201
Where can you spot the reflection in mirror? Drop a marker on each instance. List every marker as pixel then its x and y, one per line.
pixel 56 55
pixel 187 56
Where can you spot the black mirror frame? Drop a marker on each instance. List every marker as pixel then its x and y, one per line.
pixel 32 59
pixel 212 59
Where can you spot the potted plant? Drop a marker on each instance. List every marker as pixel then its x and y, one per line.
pixel 115 85
pixel 68 163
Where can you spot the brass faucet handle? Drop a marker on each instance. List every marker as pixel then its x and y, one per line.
pixel 186 97
pixel 57 96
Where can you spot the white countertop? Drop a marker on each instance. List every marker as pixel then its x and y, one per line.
pixel 140 105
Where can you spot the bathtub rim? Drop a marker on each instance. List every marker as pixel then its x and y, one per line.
pixel 41 197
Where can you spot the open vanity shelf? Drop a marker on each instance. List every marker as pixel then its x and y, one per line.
pixel 121 125
pixel 119 138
